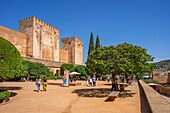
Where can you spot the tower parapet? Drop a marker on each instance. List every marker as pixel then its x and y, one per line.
pixel 43 39
pixel 75 49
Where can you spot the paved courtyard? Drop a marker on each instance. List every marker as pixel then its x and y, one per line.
pixel 59 99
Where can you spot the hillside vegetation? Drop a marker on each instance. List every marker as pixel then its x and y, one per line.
pixel 163 65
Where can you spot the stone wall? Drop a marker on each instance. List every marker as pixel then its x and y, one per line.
pixel 26 27
pixel 168 79
pixel 156 102
pixel 43 39
pixel 16 38
pixel 39 40
pixel 75 49
pixel 63 55
pixel 78 51
pixel 161 89
pixel 161 77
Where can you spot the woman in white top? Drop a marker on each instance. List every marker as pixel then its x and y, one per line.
pixel 38 83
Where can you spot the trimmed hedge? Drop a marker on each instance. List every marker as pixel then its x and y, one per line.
pixel 10 61
pixel 4 95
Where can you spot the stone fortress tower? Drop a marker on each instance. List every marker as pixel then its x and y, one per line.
pixel 38 41
pixel 42 39
pixel 75 49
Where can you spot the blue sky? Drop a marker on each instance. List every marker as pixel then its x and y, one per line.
pixel 144 23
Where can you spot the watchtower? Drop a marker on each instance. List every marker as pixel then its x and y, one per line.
pixel 42 39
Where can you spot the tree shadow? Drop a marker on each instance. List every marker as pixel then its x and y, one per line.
pixel 125 94
pixel 96 92
pixel 12 94
pixel 10 88
pixel 109 84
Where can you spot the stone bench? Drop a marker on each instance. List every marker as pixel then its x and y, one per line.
pixel 113 95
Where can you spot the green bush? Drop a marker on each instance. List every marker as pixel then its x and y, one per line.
pixel 36 69
pixel 10 61
pixel 4 95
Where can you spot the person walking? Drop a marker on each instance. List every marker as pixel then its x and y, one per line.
pixel 38 83
pixel 44 84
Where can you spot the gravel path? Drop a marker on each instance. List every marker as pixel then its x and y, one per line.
pixel 59 99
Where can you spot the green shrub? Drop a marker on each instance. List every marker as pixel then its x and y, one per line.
pixel 10 61
pixel 36 69
pixel 4 95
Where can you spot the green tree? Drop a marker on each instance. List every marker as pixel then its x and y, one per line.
pixel 91 49
pixel 91 44
pixel 80 69
pixel 124 59
pixel 97 42
pixel 66 66
pixel 10 61
pixel 33 70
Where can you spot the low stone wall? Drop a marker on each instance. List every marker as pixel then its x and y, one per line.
pixel 161 89
pixel 156 102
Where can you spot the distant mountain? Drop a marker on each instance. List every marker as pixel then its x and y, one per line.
pixel 163 65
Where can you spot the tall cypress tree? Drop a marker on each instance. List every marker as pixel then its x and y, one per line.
pixel 91 48
pixel 91 44
pixel 97 42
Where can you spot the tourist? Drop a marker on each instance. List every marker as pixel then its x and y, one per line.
pixel 91 82
pixel 44 83
pixel 55 77
pixel 38 83
pixel 87 81
pixel 94 80
pixel 108 78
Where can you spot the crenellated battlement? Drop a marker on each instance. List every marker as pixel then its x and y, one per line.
pixel 27 19
pixel 33 18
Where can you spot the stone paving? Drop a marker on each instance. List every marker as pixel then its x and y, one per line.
pixel 59 99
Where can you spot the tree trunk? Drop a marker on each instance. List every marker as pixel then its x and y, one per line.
pixel 114 82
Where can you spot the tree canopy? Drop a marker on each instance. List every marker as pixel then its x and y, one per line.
pixel 124 59
pixel 10 61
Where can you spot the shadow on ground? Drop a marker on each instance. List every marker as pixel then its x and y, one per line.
pixel 10 88
pixel 12 94
pixel 126 93
pixel 96 92
pixel 101 92
pixel 109 84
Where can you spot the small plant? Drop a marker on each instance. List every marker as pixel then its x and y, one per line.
pixel 4 95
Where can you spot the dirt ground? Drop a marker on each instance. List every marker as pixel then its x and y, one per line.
pixel 59 99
